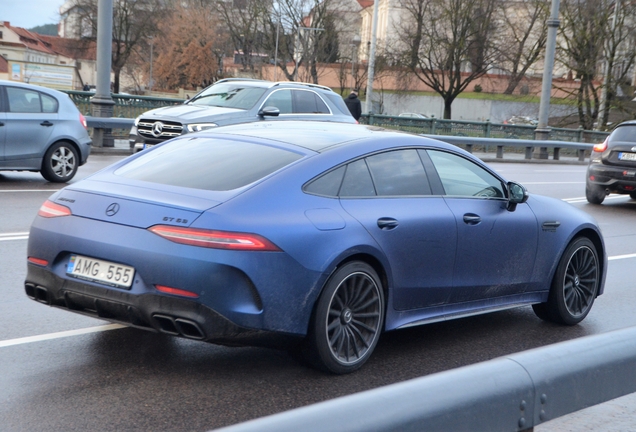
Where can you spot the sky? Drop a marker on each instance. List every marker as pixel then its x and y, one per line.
pixel 30 13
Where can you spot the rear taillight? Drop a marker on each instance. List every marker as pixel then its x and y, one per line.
pixel 83 121
pixel 600 148
pixel 214 239
pixel 50 210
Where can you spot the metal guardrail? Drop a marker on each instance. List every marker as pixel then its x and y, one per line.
pixel 469 143
pixel 435 126
pixel 512 393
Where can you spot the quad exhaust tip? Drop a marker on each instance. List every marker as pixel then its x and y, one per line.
pixel 178 327
pixel 37 293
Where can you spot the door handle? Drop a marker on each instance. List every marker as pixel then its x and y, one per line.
pixel 1 124
pixel 387 223
pixel 472 219
pixel 46 123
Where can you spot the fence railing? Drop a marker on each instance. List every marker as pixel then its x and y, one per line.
pixel 127 106
pixel 512 137
pixel 512 393
pixel 435 126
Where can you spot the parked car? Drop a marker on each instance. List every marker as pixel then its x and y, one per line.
pixel 413 115
pixel 612 167
pixel 521 120
pixel 232 101
pixel 308 236
pixel 41 130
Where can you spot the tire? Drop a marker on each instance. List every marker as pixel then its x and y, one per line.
pixel 60 163
pixel 347 321
pixel 574 286
pixel 594 194
pixel 632 195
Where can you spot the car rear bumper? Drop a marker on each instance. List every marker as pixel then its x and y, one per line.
pixel 155 312
pixel 614 178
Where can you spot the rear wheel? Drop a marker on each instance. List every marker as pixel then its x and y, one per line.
pixel 575 285
pixel 348 319
pixel 60 163
pixel 595 194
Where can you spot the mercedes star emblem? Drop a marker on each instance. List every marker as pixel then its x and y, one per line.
pixel 112 209
pixel 157 129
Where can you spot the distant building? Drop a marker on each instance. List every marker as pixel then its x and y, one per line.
pixel 51 61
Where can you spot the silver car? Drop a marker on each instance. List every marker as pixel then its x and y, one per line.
pixel 41 130
pixel 237 100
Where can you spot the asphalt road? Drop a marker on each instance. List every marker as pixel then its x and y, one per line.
pixel 66 372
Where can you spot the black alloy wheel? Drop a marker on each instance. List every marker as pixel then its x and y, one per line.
pixel 347 321
pixel 575 285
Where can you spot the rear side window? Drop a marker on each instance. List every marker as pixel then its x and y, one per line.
pixel 336 99
pixel 207 163
pixel 23 100
pixel 308 102
pixel 624 133
pixel 399 173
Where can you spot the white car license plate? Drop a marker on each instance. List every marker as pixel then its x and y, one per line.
pixel 105 272
pixel 627 156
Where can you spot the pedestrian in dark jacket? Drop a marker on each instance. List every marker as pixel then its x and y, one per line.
pixel 354 105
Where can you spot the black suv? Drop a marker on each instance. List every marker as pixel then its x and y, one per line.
pixel 237 100
pixel 612 167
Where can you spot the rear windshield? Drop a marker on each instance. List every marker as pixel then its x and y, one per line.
pixel 624 133
pixel 229 95
pixel 207 163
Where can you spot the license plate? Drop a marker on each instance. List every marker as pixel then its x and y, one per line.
pixel 104 272
pixel 627 156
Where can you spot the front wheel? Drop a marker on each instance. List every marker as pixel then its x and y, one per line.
pixel 347 321
pixel 575 285
pixel 60 163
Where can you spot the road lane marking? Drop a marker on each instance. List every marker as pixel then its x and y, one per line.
pixel 58 335
pixel 14 236
pixel 28 190
pixel 617 257
pixel 583 199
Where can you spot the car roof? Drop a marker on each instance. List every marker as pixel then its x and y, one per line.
pixel 267 84
pixel 312 135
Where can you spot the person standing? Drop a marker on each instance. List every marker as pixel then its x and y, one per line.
pixel 354 105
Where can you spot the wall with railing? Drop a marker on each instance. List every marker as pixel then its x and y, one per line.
pixel 131 106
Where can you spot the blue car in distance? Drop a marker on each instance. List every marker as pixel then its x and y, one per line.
pixel 308 236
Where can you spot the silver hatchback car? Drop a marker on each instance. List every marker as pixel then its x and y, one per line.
pixel 41 130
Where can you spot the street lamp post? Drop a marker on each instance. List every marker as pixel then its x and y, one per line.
pixel 150 81
pixel 355 44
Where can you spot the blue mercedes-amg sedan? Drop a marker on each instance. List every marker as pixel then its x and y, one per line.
pixel 308 236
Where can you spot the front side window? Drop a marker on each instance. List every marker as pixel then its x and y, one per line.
pixel 281 99
pixel 461 177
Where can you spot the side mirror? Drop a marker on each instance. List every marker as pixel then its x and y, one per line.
pixel 269 111
pixel 517 194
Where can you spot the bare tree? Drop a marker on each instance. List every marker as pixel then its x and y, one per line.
pixel 447 44
pixel 521 37
pixel 584 28
pixel 243 20
pixel 620 54
pixel 134 21
pixel 190 46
